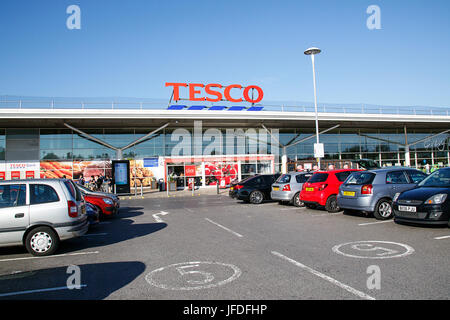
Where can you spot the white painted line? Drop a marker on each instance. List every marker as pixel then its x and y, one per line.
pixel 325 277
pixel 37 290
pixel 94 234
pixel 443 237
pixel 284 209
pixel 225 228
pixel 325 214
pixel 157 218
pixel 189 210
pixel 54 256
pixel 377 222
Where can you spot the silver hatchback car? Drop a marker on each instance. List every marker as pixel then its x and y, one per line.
pixel 373 190
pixel 288 186
pixel 39 213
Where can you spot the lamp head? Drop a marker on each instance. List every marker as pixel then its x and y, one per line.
pixel 312 50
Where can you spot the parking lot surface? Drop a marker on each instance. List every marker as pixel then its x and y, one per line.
pixel 212 247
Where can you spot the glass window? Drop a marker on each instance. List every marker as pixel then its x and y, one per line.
pixel 360 178
pixel 416 176
pixel 285 178
pixel 302 178
pixel 12 195
pixel 342 176
pixel 396 177
pixel 318 177
pixel 42 193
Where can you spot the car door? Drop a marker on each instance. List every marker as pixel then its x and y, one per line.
pixel 268 180
pixel 397 181
pixel 14 213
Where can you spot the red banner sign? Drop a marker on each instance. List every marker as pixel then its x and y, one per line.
pixel 15 175
pixel 2 175
pixel 195 91
pixel 29 174
pixel 189 171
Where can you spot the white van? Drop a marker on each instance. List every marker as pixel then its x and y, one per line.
pixel 39 213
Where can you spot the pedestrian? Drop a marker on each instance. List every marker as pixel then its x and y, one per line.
pixel 99 183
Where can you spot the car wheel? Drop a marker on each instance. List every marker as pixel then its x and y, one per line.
pixel 331 204
pixel 256 197
pixel 383 210
pixel 296 200
pixel 41 241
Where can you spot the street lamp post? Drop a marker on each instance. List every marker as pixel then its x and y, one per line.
pixel 312 52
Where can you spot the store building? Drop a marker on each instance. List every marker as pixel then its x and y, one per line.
pixel 51 141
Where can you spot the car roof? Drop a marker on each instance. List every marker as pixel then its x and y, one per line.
pixel 32 180
pixel 392 168
pixel 338 170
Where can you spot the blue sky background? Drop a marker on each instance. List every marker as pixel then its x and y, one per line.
pixel 131 48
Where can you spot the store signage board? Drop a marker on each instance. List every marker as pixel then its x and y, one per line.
pixel 319 151
pixel 151 162
pixel 212 94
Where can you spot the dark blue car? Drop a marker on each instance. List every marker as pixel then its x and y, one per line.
pixel 428 203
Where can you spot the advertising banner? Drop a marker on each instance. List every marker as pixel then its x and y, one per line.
pixel 18 169
pixel 142 174
pixel 56 169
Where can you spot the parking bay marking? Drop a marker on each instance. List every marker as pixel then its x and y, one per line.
pixel 37 290
pixel 225 228
pixel 443 237
pixel 325 277
pixel 157 218
pixel 377 222
pixel 54 256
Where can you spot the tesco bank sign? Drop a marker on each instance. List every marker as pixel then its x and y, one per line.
pixel 213 92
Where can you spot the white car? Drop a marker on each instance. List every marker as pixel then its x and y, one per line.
pixel 39 213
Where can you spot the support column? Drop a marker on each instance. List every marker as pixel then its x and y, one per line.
pixel 407 154
pixel 284 161
pixel 119 154
pixel 407 157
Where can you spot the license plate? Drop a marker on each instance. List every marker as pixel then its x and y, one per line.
pixel 349 193
pixel 309 189
pixel 407 208
pixel 276 188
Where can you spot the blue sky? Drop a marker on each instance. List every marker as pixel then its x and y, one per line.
pixel 131 48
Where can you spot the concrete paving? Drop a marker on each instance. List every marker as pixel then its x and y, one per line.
pixel 209 246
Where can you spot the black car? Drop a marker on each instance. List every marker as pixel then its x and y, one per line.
pixel 254 189
pixel 428 203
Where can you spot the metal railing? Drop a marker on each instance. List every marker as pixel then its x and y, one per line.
pixel 156 105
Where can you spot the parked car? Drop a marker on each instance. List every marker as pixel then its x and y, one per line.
pixel 108 207
pixel 372 191
pixel 39 213
pixel 428 203
pixel 107 203
pixel 85 190
pixel 93 214
pixel 288 186
pixel 254 189
pixel 322 189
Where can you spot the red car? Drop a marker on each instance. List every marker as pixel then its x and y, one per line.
pixel 108 206
pixel 322 188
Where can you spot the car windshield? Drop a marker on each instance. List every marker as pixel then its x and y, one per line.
pixel 318 177
pixel 439 178
pixel 360 178
pixel 285 178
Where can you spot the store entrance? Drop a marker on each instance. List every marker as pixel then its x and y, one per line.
pixel 176 174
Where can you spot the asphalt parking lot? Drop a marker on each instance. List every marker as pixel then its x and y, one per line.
pixel 212 247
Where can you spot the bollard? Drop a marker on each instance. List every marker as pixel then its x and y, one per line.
pixel 217 187
pixel 142 190
pixel 135 188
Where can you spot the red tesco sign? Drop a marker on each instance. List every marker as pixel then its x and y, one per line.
pixel 195 91
pixel 189 171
